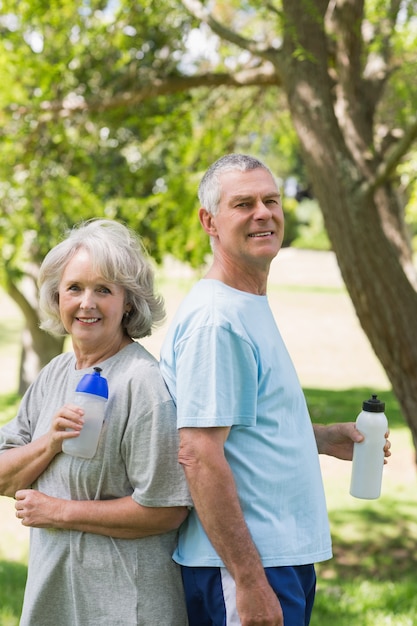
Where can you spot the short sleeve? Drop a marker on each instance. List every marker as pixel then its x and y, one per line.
pixel 217 374
pixel 150 450
pixel 19 431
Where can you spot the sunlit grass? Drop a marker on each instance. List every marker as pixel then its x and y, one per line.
pixel 361 602
pixel 372 578
pixel 12 582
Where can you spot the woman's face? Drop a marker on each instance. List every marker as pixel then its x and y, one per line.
pixel 91 308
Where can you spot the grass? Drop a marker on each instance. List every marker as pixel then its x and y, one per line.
pixel 372 578
pixel 12 581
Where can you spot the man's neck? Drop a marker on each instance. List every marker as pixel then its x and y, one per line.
pixel 252 282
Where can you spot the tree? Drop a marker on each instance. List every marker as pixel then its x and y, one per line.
pixel 343 66
pixel 346 69
pixel 63 162
pixel 96 119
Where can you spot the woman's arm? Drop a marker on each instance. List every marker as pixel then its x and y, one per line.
pixel 22 465
pixel 122 517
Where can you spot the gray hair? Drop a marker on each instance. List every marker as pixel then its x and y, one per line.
pixel 118 255
pixel 209 190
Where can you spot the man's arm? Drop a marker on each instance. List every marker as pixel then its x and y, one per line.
pixel 121 517
pixel 214 493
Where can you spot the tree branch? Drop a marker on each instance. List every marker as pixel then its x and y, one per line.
pixel 378 68
pixel 198 11
pixel 252 77
pixel 394 156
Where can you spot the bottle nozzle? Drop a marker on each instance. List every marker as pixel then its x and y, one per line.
pixel 374 405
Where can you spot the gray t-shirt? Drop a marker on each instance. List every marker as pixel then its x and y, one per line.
pixel 83 579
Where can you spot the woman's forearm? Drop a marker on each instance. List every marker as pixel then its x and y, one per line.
pixel 122 517
pixel 21 466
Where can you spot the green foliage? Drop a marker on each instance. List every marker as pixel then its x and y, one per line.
pixel 82 135
pixel 408 173
pixel 62 163
pixel 402 45
pixel 8 407
pixel 68 155
pixel 311 233
pixel 12 584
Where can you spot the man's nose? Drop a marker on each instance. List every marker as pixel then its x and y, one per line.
pixel 262 211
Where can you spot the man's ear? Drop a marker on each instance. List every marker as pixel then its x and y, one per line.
pixel 207 221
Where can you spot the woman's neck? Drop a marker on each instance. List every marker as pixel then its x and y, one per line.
pixel 88 356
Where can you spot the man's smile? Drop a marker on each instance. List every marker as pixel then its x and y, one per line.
pixel 266 233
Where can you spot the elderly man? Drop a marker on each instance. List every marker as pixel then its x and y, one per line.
pixel 247 445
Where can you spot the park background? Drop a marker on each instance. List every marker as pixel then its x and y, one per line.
pixel 371 580
pixel 112 108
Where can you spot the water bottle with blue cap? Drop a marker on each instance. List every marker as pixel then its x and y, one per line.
pixel 91 395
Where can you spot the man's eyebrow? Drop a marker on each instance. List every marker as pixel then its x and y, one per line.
pixel 241 198
pixel 238 198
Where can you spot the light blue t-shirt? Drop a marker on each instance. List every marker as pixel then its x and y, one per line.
pixel 225 364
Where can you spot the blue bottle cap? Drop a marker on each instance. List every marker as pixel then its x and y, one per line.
pixel 94 383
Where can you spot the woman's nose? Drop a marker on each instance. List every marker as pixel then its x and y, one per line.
pixel 87 300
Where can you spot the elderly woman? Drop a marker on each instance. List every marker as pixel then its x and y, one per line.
pixel 103 529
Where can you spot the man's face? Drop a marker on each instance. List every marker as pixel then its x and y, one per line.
pixel 249 226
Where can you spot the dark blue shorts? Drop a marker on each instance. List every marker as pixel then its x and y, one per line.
pixel 211 596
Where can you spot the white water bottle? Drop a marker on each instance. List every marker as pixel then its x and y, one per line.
pixel 91 394
pixel 368 455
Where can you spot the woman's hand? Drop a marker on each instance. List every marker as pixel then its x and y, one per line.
pixel 22 465
pixel 36 509
pixel 70 417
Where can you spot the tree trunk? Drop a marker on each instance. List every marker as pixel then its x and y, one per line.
pixel 38 347
pixel 363 219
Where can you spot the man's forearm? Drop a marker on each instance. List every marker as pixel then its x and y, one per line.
pixel 215 498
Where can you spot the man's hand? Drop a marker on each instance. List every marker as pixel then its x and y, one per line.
pixel 337 440
pixel 259 606
pixel 202 456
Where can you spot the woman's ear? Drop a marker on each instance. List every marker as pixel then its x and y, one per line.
pixel 207 221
